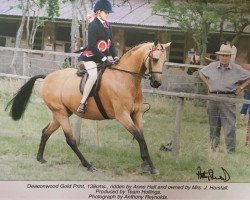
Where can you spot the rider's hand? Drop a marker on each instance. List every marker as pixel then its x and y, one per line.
pixel 116 60
pixel 107 63
pixel 242 116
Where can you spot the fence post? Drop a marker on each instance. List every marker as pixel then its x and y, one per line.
pixel 77 129
pixel 177 127
pixel 78 120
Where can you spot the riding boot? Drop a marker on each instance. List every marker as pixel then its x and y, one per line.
pixel 82 107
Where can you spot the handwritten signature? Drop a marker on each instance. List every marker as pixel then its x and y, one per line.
pixel 209 175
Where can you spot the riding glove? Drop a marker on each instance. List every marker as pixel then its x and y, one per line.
pixel 116 60
pixel 106 63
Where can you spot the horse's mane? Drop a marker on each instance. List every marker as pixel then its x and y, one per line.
pixel 134 48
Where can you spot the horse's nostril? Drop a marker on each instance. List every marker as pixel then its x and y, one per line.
pixel 156 84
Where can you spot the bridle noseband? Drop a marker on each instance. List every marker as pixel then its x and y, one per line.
pixel 151 59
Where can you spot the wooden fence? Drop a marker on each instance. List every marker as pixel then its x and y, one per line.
pixel 179 110
pixel 181 96
pixel 32 62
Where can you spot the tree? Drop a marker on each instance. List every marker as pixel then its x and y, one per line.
pixel 237 15
pixel 24 6
pixel 31 21
pixel 200 18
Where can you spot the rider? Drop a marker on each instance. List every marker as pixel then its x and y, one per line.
pixel 100 45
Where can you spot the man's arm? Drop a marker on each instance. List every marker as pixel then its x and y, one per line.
pixel 205 80
pixel 242 86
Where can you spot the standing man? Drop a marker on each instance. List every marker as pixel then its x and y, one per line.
pixel 224 79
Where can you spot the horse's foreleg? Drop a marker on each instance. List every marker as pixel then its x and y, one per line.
pixel 137 119
pixel 136 131
pixel 71 141
pixel 46 133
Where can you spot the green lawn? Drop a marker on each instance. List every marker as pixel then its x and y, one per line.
pixel 111 148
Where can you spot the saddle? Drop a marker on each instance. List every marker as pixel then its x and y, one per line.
pixel 82 72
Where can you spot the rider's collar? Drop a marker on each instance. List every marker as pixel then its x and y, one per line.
pixel 102 21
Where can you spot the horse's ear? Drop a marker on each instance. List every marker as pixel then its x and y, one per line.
pixel 156 42
pixel 167 45
pixel 194 59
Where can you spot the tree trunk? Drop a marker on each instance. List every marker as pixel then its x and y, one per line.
pixel 75 34
pixel 204 37
pixel 84 22
pixel 75 45
pixel 19 34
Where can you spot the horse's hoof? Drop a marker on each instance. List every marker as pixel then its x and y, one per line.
pixel 145 168
pixel 92 168
pixel 41 160
pixel 154 172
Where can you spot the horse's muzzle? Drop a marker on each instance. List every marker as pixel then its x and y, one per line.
pixel 155 84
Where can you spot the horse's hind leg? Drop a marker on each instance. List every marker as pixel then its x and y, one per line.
pixel 71 141
pixel 46 133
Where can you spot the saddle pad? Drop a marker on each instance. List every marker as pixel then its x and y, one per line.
pixel 94 90
pixel 95 87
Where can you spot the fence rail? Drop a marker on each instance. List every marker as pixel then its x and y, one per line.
pixel 38 51
pixel 198 96
pixel 179 65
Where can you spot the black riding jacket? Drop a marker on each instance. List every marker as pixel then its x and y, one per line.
pixel 96 33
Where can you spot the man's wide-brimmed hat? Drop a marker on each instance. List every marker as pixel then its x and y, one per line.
pixel 225 49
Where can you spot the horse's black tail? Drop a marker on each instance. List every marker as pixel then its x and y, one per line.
pixel 21 98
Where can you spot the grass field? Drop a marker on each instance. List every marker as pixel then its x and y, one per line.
pixel 112 151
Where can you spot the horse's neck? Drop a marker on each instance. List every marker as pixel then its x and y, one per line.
pixel 134 59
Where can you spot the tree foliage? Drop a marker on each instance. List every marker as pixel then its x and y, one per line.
pixel 52 7
pixel 201 17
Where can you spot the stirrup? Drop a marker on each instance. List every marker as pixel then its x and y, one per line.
pixel 82 107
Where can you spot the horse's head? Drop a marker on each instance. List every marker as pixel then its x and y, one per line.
pixel 156 60
pixel 194 60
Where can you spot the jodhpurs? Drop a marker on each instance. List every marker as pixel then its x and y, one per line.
pixel 91 68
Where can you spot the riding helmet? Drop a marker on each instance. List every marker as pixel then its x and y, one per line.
pixel 104 5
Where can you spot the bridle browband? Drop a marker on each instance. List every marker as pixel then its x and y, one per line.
pixel 150 59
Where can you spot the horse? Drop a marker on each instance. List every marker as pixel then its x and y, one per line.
pixel 195 60
pixel 120 93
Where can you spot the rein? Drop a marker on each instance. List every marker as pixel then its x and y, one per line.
pixel 129 72
pixel 148 75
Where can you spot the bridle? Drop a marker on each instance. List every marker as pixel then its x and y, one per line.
pixel 150 58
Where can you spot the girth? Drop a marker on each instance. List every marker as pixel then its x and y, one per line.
pixel 82 72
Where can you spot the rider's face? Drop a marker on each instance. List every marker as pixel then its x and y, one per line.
pixel 103 15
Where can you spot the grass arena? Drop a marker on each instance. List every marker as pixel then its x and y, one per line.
pixel 112 149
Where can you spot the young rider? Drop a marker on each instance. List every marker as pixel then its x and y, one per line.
pixel 100 45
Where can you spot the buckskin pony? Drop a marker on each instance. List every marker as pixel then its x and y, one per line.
pixel 120 93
